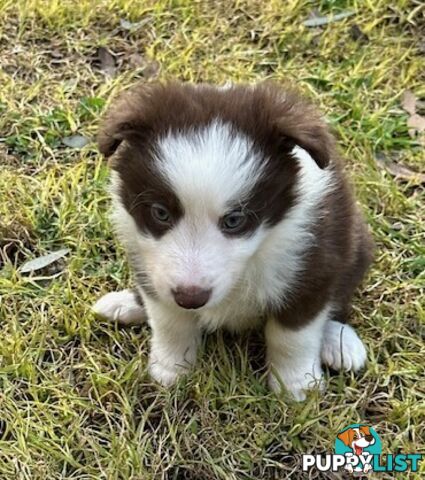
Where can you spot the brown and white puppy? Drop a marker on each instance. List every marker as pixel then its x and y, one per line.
pixel 234 211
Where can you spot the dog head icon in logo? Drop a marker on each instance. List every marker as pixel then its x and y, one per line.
pixel 358 443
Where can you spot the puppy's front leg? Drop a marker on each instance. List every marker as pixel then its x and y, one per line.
pixel 175 339
pixel 124 307
pixel 294 355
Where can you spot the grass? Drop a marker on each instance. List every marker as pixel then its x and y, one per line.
pixel 75 399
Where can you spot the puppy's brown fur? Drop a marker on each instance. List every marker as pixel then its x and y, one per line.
pixel 337 261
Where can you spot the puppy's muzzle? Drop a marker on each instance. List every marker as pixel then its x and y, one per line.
pixel 191 297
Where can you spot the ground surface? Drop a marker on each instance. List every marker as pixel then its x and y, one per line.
pixel 75 398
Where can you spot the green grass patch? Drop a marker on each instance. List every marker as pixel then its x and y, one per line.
pixel 75 398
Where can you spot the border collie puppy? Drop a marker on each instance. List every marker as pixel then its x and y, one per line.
pixel 234 211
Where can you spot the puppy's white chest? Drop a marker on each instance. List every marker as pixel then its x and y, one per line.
pixel 236 314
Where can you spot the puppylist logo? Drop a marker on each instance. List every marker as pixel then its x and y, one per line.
pixel 358 450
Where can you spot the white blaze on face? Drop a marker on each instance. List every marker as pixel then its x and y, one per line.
pixel 209 169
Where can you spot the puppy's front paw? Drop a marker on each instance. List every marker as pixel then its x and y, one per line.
pixel 121 307
pixel 164 374
pixel 296 381
pixel 342 347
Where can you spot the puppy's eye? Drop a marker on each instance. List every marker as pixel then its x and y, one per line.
pixel 233 221
pixel 160 213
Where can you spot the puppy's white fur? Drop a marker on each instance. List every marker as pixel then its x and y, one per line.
pixel 121 307
pixel 209 169
pixel 174 343
pixel 342 348
pixel 297 371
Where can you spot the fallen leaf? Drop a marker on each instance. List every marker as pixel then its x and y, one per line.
pixel 132 26
pixel 416 124
pixel 43 261
pixel 75 141
pixel 136 60
pixel 107 61
pixel 400 171
pixel 56 53
pixel 408 102
pixel 127 25
pixel 397 226
pixel 420 105
pixel 319 21
pixel 151 69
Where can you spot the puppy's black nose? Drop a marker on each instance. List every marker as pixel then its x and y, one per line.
pixel 369 438
pixel 191 297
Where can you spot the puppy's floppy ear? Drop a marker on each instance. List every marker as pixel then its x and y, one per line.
pixel 124 120
pixel 346 437
pixel 311 134
pixel 299 123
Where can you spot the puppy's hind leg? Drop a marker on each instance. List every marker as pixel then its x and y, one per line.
pixel 124 307
pixel 342 347
pixel 294 355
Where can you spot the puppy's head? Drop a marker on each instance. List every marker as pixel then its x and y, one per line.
pixel 201 176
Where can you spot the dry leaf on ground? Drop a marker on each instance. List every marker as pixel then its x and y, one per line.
pixel 319 21
pixel 43 261
pixel 408 102
pixel 107 61
pixel 75 141
pixel 415 122
pixel 400 171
